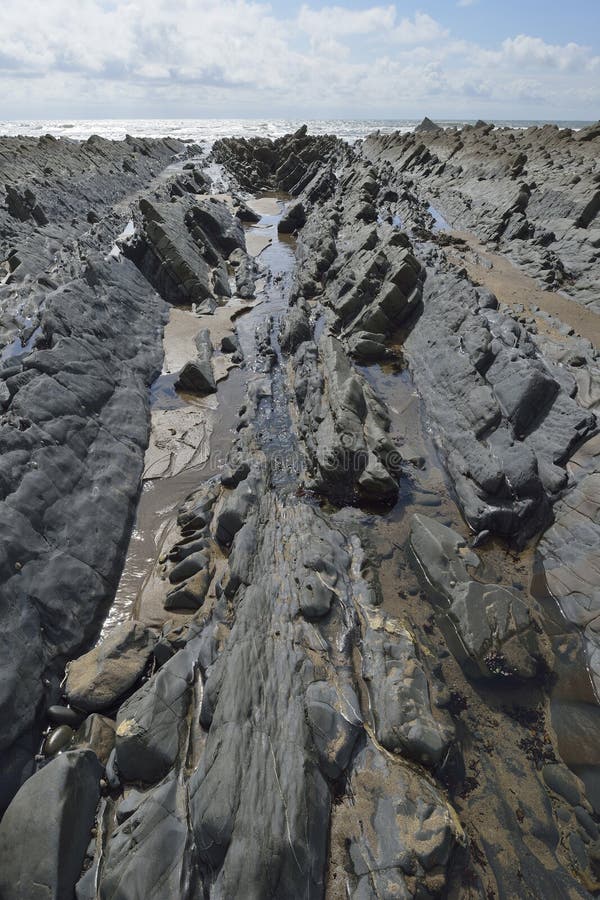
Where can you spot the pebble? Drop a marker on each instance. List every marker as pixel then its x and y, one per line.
pixel 57 740
pixel 64 715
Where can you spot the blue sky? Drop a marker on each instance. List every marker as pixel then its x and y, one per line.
pixel 487 21
pixel 197 58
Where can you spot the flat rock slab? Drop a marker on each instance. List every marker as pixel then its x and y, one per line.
pixel 102 677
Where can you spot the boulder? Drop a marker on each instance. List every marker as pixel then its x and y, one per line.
pixel 150 723
pixel 96 733
pixel 101 678
pixel 293 219
pixel 153 829
pixel 197 376
pixel 399 691
pixel 46 829
pixel 403 842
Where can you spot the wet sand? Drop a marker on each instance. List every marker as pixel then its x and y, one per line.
pixel 514 287
pixel 190 436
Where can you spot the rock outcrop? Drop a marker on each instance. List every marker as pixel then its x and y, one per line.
pixel 533 192
pixel 318 688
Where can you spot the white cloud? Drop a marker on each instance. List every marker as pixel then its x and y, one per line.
pixel 236 57
pixel 338 21
pixel 466 2
pixel 533 51
pixel 419 30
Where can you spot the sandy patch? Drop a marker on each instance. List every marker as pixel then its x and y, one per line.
pixel 513 287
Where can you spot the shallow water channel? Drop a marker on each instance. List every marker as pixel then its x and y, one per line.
pixel 161 496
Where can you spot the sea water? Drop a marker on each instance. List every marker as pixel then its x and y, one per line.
pixel 206 131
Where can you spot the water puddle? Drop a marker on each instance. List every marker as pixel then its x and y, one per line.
pixel 439 222
pixel 21 345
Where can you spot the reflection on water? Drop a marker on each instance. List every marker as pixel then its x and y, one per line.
pixel 18 347
pixel 439 222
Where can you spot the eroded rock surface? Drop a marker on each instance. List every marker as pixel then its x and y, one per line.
pixel 533 192
pixel 325 692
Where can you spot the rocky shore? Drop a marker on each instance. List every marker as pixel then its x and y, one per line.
pixel 301 519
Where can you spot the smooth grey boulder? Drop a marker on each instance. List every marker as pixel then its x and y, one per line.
pixel 150 723
pixel 333 716
pixel 154 829
pixel 235 509
pixel 524 396
pixel 46 829
pixel 100 678
pixel 191 593
pixel 494 622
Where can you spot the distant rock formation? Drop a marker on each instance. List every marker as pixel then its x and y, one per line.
pixel 428 125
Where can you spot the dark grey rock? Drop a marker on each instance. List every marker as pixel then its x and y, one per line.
pixel 197 376
pixel 57 740
pixel 46 829
pixel 64 715
pixel 343 425
pixel 403 842
pixel 154 829
pixel 151 722
pixel 494 622
pixel 399 691
pixel 287 721
pixel 427 125
pixel 293 218
pixel 296 328
pixel 235 509
pixel 96 733
pixel 217 222
pixel 168 253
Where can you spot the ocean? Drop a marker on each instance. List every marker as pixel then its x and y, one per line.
pixel 206 131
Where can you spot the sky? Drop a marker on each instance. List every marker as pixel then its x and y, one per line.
pixel 448 59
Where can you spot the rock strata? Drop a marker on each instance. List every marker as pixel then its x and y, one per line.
pixel 533 192
pixel 318 688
